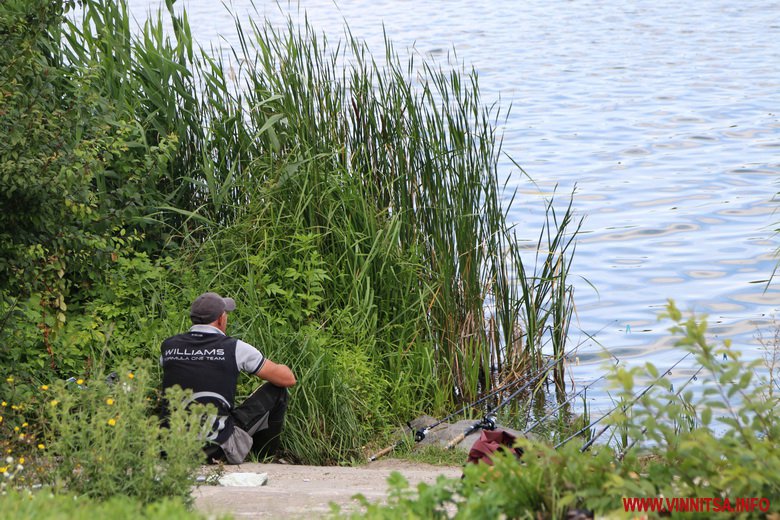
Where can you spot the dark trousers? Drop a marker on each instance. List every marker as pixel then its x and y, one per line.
pixel 262 416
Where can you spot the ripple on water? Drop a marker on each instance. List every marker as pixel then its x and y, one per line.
pixel 641 233
pixel 666 280
pixel 636 151
pixel 706 274
pixel 671 200
pixel 711 221
pixel 725 307
pixel 629 262
pixel 754 211
pixel 761 298
pixel 754 171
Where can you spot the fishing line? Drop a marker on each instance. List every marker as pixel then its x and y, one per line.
pixel 488 422
pixel 625 407
pixel 625 450
pixel 552 412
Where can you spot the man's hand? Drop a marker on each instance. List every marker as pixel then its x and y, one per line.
pixel 279 375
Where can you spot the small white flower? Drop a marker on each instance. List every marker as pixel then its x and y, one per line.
pixel 9 460
pixel 19 467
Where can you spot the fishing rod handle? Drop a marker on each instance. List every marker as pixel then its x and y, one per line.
pixel 457 440
pixel 382 453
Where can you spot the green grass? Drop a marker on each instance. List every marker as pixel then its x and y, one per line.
pixel 44 505
pixel 435 455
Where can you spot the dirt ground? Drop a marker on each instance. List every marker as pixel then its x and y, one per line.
pixel 306 491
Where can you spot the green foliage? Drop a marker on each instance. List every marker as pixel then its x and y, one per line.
pixel 20 433
pixel 75 179
pixel 328 416
pixel 123 319
pixel 734 447
pixel 430 454
pixel 102 438
pixel 44 505
pixel 44 191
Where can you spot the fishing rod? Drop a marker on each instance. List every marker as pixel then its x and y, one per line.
pixel 488 422
pixel 623 452
pixel 421 433
pixel 625 407
pixel 567 401
pixel 617 361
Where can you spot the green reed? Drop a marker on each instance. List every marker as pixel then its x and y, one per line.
pixel 344 198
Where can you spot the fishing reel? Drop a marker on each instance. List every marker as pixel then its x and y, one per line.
pixel 488 422
pixel 419 434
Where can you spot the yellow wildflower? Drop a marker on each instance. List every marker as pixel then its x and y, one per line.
pixel 4 404
pixel 21 436
pixel 1 418
pixel 16 428
pixel 109 401
pixel 130 375
pixel 3 469
pixel 54 402
pixel 112 422
pixel 24 425
pixel 44 387
pixel 80 382
pixel 21 460
pixel 41 446
pixel 9 379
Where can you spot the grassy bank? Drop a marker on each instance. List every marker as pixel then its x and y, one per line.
pixel 351 208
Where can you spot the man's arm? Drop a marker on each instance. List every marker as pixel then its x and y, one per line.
pixel 277 374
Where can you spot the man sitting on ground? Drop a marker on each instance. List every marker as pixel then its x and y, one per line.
pixel 207 361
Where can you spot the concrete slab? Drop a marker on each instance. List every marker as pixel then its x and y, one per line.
pixel 307 491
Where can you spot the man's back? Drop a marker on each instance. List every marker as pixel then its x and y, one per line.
pixel 206 364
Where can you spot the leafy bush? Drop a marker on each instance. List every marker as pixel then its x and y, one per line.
pixel 102 438
pixel 76 176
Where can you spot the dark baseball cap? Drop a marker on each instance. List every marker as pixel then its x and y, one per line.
pixel 209 306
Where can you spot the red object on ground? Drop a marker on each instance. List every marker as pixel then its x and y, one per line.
pixel 489 442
